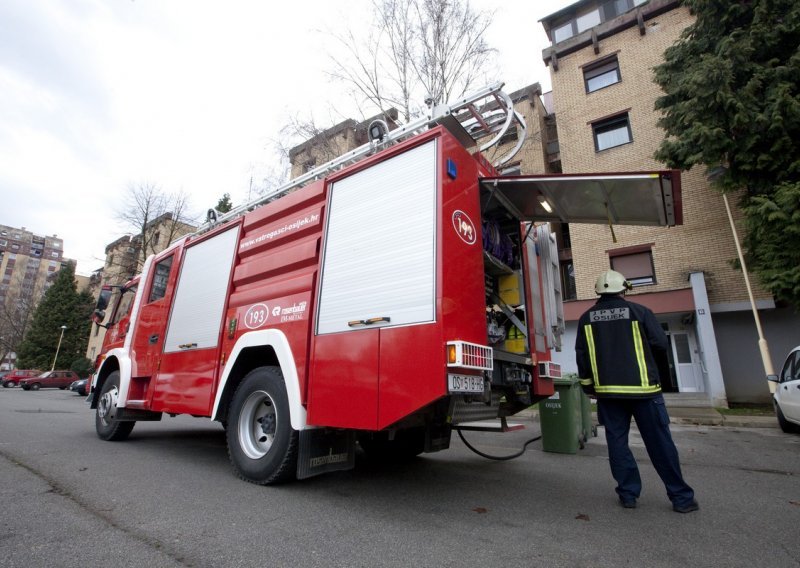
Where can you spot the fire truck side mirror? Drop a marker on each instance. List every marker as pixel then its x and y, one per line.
pixel 100 308
pixel 103 299
pixel 98 316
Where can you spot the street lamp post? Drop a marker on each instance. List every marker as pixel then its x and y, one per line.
pixel 63 327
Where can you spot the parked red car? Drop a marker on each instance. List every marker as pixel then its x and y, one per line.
pixel 14 377
pixel 50 379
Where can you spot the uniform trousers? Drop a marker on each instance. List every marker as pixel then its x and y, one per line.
pixel 653 422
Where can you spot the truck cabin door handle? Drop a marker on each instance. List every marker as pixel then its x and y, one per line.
pixel 153 339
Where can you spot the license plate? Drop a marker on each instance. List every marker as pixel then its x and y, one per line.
pixel 464 383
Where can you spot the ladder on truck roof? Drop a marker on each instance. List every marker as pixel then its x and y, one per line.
pixel 486 113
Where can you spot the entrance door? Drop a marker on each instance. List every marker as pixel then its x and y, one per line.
pixel 687 364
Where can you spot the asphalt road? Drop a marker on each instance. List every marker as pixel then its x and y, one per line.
pixel 168 497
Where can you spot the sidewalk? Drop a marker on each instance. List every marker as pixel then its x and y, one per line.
pixel 693 415
pixel 710 417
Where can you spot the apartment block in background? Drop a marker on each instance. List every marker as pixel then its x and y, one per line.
pixel 28 265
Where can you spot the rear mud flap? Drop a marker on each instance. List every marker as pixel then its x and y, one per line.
pixel 323 450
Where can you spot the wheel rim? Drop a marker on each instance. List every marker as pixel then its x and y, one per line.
pixel 107 406
pixel 257 425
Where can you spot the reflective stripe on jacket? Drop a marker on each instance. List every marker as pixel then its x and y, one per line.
pixel 616 348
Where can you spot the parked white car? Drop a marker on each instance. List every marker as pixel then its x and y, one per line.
pixel 787 393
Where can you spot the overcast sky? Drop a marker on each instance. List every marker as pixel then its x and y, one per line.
pixel 96 95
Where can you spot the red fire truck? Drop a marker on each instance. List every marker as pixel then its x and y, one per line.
pixel 380 300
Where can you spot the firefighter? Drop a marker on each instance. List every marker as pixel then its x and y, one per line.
pixel 618 347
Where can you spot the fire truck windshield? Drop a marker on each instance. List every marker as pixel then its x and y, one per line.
pixel 124 304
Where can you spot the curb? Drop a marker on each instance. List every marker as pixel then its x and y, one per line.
pixel 690 417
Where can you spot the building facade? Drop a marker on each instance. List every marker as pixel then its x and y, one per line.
pixel 28 265
pixel 601 63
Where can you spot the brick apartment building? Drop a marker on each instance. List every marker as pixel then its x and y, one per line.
pixel 601 62
pixel 28 265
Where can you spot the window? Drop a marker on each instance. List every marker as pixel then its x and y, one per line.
pixel 611 132
pixel 160 278
pixel 636 265
pixel 605 12
pixel 601 74
pixel 125 304
pixel 562 32
pixel 587 21
pixel 795 373
pixel 568 280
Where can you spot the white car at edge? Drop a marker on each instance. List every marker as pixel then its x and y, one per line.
pixel 787 393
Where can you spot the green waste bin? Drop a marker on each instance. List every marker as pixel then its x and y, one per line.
pixel 560 418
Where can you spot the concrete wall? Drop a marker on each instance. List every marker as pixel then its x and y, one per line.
pixel 737 341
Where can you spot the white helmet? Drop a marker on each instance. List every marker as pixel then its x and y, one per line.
pixel 611 282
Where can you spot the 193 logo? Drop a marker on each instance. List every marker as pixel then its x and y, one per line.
pixel 464 227
pixel 256 316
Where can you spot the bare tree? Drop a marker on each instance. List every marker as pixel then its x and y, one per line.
pixel 16 312
pixel 416 50
pixel 156 218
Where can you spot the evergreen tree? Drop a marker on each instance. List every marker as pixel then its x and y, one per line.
pixel 61 305
pixel 224 204
pixel 732 104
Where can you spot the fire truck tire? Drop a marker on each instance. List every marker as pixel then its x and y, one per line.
pixel 262 445
pixel 107 428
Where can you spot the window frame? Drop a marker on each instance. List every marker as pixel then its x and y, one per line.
pixel 628 252
pixel 599 68
pixel 160 278
pixel 616 122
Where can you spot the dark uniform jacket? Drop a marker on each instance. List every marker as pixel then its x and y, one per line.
pixel 617 348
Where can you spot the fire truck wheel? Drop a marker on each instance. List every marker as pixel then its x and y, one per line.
pixel 107 427
pixel 262 445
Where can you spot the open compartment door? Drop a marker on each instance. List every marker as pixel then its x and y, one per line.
pixel 642 198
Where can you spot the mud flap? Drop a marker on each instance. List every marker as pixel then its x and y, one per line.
pixel 323 450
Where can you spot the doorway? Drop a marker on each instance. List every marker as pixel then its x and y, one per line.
pixel 685 366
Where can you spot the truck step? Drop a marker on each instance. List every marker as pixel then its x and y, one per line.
pixel 500 425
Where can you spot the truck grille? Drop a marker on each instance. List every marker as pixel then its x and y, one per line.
pixel 470 355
